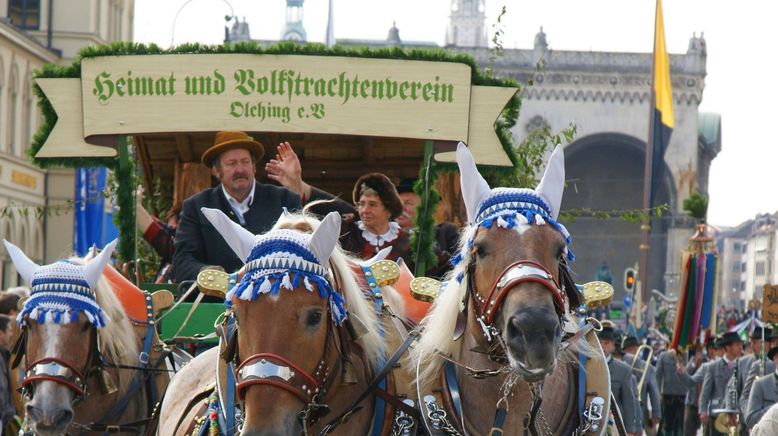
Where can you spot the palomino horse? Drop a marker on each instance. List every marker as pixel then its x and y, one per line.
pixel 287 357
pixel 84 361
pixel 500 331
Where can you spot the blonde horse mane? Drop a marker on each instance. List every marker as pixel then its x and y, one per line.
pixel 357 304
pixel 118 342
pixel 438 326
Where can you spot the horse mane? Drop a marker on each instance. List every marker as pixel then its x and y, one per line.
pixel 356 303
pixel 118 341
pixel 439 324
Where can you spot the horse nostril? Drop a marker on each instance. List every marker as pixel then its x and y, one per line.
pixel 63 418
pixel 33 412
pixel 515 330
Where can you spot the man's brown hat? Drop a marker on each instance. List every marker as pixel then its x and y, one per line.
pixel 385 189
pixel 230 140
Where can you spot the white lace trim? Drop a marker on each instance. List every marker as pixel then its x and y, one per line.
pixel 379 240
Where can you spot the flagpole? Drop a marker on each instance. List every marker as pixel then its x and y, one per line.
pixel 645 226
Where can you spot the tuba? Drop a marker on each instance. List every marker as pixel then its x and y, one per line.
pixel 730 407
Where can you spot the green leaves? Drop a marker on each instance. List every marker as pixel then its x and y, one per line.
pixel 634 216
pixel 25 210
pixel 696 206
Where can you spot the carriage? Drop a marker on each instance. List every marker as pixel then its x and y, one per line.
pixel 142 110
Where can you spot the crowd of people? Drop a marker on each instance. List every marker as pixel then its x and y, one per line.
pixel 727 379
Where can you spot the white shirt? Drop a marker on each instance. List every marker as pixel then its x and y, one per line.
pixel 240 207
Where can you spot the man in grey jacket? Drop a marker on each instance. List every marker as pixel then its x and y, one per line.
pixel 650 389
pixel 764 393
pixel 714 386
pixel 692 377
pixel 757 371
pixel 673 392
pixel 623 385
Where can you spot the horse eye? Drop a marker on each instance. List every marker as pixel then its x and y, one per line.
pixel 480 251
pixel 314 318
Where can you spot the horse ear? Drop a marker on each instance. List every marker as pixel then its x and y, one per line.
pixel 94 269
pixel 24 266
pixel 238 238
pixel 552 185
pixel 325 237
pixel 381 255
pixel 474 187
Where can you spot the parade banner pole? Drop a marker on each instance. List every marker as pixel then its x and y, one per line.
pixel 421 258
pixel 124 197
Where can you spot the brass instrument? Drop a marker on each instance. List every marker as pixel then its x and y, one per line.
pixel 730 408
pixel 644 370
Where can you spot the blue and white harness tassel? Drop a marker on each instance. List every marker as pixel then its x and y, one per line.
pixel 509 208
pixel 281 259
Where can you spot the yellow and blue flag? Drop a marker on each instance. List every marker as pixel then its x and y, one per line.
pixel 662 102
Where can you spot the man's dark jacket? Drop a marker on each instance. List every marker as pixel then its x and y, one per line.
pixel 197 241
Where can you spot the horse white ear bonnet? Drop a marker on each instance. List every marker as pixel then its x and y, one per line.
pixel 509 207
pixel 61 290
pixel 282 258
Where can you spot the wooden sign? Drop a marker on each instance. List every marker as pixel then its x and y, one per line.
pixel 770 303
pixel 126 95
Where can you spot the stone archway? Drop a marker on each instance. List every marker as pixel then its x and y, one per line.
pixel 604 172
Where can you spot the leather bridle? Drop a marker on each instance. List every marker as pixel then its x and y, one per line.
pixel 55 369
pixel 521 271
pixel 271 369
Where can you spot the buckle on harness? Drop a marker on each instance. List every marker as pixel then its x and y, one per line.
pixel 143 357
pixel 113 429
pixel 594 413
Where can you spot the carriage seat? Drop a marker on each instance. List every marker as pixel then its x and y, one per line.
pixel 133 299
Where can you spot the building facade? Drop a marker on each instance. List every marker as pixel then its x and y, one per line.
pixel 37 204
pixel 748 260
pixel 606 96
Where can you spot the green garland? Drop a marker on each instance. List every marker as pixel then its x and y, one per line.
pixel 425 224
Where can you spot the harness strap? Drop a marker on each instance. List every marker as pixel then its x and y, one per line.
pixel 452 384
pixel 620 427
pixel 192 309
pixel 395 402
pixel 19 349
pixel 128 427
pixel 378 301
pixel 145 355
pixel 530 419
pixel 141 376
pixel 193 402
pixel 582 359
pixel 499 422
pixel 354 406
pixel 229 401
